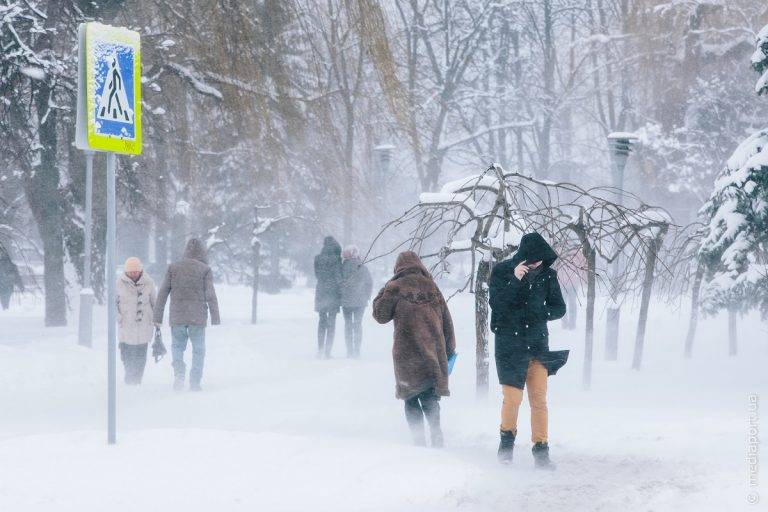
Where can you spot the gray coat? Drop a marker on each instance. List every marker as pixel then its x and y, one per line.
pixel 189 282
pixel 356 284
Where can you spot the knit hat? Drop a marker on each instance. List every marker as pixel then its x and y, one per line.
pixel 350 251
pixel 132 264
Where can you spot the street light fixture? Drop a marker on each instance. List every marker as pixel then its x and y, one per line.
pixel 383 156
pixel 620 144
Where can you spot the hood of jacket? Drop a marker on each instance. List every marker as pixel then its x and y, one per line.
pixel 409 262
pixel 532 248
pixel 331 247
pixel 196 250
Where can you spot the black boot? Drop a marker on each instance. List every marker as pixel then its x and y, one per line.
pixel 415 417
pixel 541 456
pixel 506 446
pixel 430 404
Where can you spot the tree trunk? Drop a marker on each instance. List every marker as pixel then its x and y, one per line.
pixel 650 267
pixel 545 133
pixel 161 210
pixel 255 265
pixel 732 333
pixel 589 331
pixel 181 226
pixel 571 311
pixel 42 189
pixel 481 327
pixel 694 318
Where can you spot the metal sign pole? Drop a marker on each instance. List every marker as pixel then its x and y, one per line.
pixel 111 305
pixel 85 332
pixel 108 120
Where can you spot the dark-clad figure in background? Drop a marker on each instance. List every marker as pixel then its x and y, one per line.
pixel 356 289
pixel 189 282
pixel 423 343
pixel 10 278
pixel 524 296
pixel 327 294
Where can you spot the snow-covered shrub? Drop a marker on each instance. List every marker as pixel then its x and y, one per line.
pixel 760 61
pixel 734 249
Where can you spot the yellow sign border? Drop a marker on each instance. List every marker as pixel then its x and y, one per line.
pixel 97 31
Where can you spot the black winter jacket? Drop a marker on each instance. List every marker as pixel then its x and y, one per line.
pixel 328 274
pixel 524 307
pixel 520 311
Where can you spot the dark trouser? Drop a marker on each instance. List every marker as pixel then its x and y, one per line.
pixel 196 335
pixel 326 331
pixel 425 404
pixel 134 358
pixel 353 330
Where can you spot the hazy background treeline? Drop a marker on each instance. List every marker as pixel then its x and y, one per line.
pixel 270 123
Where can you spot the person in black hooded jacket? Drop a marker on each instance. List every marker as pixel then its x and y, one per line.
pixel 524 296
pixel 327 294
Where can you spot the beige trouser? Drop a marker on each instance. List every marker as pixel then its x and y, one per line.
pixel 536 382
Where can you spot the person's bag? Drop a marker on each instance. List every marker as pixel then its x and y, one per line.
pixel 451 362
pixel 158 348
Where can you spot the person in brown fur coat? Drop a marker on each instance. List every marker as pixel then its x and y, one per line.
pixel 423 342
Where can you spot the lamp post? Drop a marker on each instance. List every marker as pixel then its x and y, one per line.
pixel 85 325
pixel 620 144
pixel 383 157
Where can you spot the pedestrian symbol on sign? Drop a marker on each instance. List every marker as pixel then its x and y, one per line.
pixel 113 103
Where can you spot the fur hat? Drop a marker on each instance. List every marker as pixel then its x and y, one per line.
pixel 132 264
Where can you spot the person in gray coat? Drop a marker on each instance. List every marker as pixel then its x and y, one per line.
pixel 356 290
pixel 189 282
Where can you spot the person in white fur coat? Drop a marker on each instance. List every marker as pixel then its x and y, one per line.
pixel 135 311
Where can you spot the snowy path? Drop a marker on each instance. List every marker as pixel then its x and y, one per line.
pixel 276 429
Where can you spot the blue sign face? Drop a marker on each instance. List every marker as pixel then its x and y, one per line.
pixel 114 101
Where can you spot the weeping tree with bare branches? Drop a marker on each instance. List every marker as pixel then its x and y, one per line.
pixel 680 257
pixel 484 216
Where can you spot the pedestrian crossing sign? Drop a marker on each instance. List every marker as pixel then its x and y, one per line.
pixel 109 92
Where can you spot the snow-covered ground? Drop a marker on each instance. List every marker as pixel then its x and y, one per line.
pixel 277 430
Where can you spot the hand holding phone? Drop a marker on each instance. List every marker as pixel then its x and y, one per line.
pixel 521 269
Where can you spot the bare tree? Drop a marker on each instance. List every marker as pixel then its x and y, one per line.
pixel 485 215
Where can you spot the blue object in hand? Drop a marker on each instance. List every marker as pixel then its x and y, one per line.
pixel 451 362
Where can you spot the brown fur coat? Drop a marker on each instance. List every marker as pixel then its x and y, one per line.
pixel 424 337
